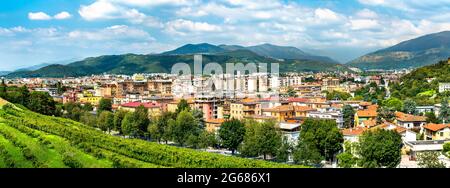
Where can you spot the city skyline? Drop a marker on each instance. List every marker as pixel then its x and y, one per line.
pixel 37 31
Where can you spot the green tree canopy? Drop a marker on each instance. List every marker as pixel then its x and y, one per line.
pixel 104 105
pixel 322 135
pixel 232 134
pixel 380 148
pixel 182 105
pixel 429 159
pixel 349 116
pixel 105 121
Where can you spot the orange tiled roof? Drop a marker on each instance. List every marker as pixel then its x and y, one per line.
pixel 353 131
pixel 303 108
pixel 372 107
pixel 215 121
pixel 367 113
pixel 282 108
pixel 408 117
pixel 370 123
pixel 365 103
pixel 435 127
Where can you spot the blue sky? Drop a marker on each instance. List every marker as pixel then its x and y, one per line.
pixel 38 31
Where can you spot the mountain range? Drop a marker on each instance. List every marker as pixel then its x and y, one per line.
pixel 418 52
pixel 290 59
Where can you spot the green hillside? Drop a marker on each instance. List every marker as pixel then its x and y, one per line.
pixel 132 63
pixel 422 84
pixel 418 52
pixel 31 140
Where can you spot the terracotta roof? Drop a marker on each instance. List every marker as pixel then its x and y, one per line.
pixel 369 123
pixel 137 104
pixel 372 107
pixel 298 100
pixel 303 108
pixel 408 117
pixel 215 121
pixel 282 108
pixel 365 103
pixel 399 129
pixel 354 131
pixel 367 113
pixel 436 127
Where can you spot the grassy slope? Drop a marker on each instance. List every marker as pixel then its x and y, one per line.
pixel 52 140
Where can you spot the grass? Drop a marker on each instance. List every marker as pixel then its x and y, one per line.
pixel 12 156
pixel 41 156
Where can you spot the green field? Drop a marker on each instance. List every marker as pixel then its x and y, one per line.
pixel 31 140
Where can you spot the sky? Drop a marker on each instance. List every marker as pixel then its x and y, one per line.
pixel 41 31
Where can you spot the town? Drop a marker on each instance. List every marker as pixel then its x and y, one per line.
pixel 356 101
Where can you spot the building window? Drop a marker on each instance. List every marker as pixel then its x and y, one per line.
pixel 441 134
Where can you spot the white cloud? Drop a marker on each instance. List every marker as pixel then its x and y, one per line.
pixel 62 15
pixel 147 3
pixel 366 13
pixel 111 33
pixel 359 24
pixel 181 26
pixel 105 10
pixel 324 14
pixel 38 16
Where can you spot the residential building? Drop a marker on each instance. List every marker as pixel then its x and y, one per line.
pixel 443 87
pixel 410 121
pixel 213 125
pixel 362 115
pixel 154 109
pixel 434 131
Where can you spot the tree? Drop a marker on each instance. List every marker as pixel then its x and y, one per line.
pixel 182 105
pixel 128 127
pixel 59 88
pixel 76 114
pixel 158 129
pixel 346 160
pixel 336 95
pixel 106 121
pixel 231 134
pixel 141 120
pixel 375 154
pixel 409 106
pixel 429 159
pixel 248 147
pixel 444 112
pixel 261 139
pixel 25 97
pixel 431 117
pixel 322 135
pixel 284 151
pixel 349 116
pixel 385 114
pixel 184 126
pixel 394 103
pixel 104 105
pixel 41 102
pixel 207 139
pixel 88 107
pixel 88 119
pixel 307 154
pixel 269 139
pixel 198 115
pixel 118 118
pixel 291 92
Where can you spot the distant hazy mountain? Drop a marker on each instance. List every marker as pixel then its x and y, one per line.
pixel 162 63
pixel 267 50
pixel 2 73
pixel 38 66
pixel 418 52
